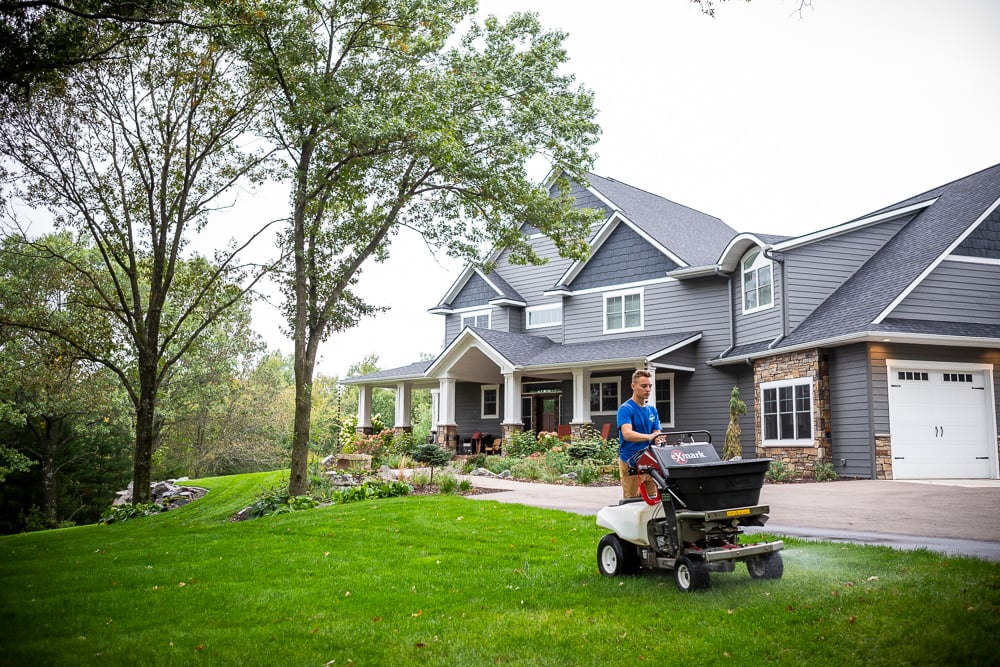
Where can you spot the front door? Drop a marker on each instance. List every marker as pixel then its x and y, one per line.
pixel 547 411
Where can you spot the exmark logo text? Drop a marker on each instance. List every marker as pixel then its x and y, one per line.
pixel 680 457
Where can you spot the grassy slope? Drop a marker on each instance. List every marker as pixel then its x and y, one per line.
pixel 454 581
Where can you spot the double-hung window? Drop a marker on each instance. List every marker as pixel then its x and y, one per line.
pixel 758 292
pixel 787 412
pixel 479 318
pixel 623 311
pixel 604 396
pixel 664 400
pixel 490 394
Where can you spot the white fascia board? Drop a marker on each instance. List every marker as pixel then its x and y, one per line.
pixel 504 301
pixel 675 346
pixel 698 272
pixel 466 340
pixel 967 259
pixel 866 337
pixel 459 283
pixel 933 265
pixel 736 248
pixel 673 367
pixel 850 226
pixel 489 282
pixel 611 288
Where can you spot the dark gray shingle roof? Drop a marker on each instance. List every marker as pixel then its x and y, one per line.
pixel 695 237
pixel 856 304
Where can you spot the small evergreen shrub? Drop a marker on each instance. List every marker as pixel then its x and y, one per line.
pixel 825 472
pixel 779 471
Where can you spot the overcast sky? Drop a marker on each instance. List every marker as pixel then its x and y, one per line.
pixel 772 122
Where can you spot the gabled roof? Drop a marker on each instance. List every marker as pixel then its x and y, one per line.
pixel 695 237
pixel 684 235
pixel 526 352
pixel 862 306
pixel 504 293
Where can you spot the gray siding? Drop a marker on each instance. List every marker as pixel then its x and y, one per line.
pixel 623 258
pixel 851 436
pixel 468 411
pixel 762 324
pixel 955 292
pixel 984 241
pixel 813 272
pixel 476 292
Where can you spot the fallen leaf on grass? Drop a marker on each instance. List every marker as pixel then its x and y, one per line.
pixel 417 613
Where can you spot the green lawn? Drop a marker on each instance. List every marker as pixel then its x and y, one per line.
pixel 443 580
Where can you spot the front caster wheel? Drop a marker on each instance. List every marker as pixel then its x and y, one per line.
pixel 616 558
pixel 691 574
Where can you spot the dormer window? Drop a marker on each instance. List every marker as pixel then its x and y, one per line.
pixel 757 283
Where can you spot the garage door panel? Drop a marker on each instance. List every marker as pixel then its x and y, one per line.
pixel 939 423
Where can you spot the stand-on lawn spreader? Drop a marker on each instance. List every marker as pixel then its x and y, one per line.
pixel 693 524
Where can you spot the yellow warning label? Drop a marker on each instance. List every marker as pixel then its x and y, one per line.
pixel 742 512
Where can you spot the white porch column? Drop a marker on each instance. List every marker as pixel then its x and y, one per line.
pixel 446 407
pixel 365 407
pixel 581 396
pixel 402 404
pixel 435 407
pixel 512 398
pixel 652 392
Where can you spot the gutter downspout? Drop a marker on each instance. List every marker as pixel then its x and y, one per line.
pixel 729 309
pixel 767 252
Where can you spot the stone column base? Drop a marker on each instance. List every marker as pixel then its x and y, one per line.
pixel 447 436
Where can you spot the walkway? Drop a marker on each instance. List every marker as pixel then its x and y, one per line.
pixel 949 516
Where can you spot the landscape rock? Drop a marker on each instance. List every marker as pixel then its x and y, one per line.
pixel 165 493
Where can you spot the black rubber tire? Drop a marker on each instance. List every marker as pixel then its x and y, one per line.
pixel 691 574
pixel 768 566
pixel 616 558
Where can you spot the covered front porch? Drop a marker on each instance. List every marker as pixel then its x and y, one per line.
pixel 489 384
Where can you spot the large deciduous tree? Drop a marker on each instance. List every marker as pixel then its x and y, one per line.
pixel 389 120
pixel 135 154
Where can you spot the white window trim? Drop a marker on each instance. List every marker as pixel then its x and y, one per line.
pixel 797 442
pixel 617 381
pixel 623 293
pixel 758 264
pixel 673 396
pixel 540 309
pixel 477 313
pixel 482 401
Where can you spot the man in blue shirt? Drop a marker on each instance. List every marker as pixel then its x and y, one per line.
pixel 638 427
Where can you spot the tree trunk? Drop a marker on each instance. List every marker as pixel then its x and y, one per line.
pixel 50 484
pixel 142 463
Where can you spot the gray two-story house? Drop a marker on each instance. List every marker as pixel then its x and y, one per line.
pixel 873 346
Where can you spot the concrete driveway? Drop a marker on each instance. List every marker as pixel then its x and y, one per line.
pixel 957 517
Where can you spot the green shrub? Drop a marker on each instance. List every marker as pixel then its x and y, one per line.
pixel 779 471
pixel 584 449
pixel 276 500
pixel 522 443
pixel 119 513
pixel 586 472
pixel 447 483
pixel 371 490
pixel 465 485
pixel 825 472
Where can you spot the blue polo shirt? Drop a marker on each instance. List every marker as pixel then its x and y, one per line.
pixel 643 418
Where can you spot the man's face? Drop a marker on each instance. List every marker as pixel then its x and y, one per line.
pixel 641 389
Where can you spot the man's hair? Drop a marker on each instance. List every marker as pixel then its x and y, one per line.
pixel 640 373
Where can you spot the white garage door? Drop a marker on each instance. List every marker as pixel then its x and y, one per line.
pixel 940 418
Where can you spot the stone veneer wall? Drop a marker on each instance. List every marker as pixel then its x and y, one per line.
pixel 883 456
pixel 791 366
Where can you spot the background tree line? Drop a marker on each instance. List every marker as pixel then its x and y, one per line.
pixel 131 129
